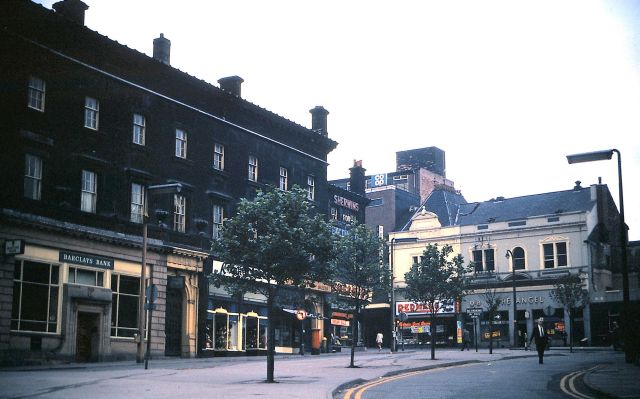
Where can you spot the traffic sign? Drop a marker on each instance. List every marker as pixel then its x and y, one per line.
pixel 474 312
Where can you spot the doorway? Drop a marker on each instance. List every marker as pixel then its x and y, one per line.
pixel 173 323
pixel 87 337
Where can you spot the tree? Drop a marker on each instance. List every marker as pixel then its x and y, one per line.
pixel 275 243
pixel 570 292
pixel 493 302
pixel 436 280
pixel 359 272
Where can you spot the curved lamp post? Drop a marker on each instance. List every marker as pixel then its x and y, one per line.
pixel 392 324
pixel 600 156
pixel 513 282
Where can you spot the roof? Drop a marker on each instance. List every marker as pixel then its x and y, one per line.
pixel 37 24
pixel 509 209
pixel 452 209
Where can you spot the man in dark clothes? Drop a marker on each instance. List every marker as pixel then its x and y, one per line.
pixel 542 339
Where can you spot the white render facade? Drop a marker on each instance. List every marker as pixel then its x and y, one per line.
pixel 544 247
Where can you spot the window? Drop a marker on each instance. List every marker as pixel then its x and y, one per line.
pixel 218 217
pixel 139 126
pixel 311 188
pixel 137 203
pixel 283 179
pixel 518 261
pixel 555 255
pixel 91 109
pixel 124 313
pixel 416 260
pixel 253 168
pixel 179 206
pixel 218 157
pixel 86 276
pixel 376 202
pixel 89 193
pixel 484 260
pixel 334 213
pixel 36 93
pixel 32 177
pixel 35 296
pixel 181 144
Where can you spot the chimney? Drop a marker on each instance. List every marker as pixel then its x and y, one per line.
pixel 577 187
pixel 162 49
pixel 319 120
pixel 73 10
pixel 231 84
pixel 357 178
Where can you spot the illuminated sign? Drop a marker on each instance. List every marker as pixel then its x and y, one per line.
pixel 412 308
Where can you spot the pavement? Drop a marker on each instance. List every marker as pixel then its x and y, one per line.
pixel 307 377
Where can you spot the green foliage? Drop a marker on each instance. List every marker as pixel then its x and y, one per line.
pixel 276 238
pixel 357 264
pixel 570 292
pixel 438 277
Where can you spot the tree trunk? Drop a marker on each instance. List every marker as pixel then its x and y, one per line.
pixel 570 331
pixel 271 338
pixel 490 335
pixel 354 335
pixel 433 334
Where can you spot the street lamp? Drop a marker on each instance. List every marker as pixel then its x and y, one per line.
pixel 156 189
pixel 513 282
pixel 601 156
pixel 392 345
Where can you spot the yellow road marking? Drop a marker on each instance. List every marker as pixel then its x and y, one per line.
pixel 570 379
pixel 359 390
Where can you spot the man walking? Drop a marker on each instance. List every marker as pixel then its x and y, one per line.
pixel 542 339
pixel 379 339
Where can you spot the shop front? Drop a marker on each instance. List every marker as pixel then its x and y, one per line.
pixel 530 306
pixel 417 329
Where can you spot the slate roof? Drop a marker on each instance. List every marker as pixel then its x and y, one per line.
pixel 43 26
pixel 520 208
pixel 453 210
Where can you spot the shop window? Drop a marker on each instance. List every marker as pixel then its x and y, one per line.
pixel 124 312
pixel 36 290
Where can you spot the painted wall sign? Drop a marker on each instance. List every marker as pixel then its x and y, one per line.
pixel 79 258
pixel 346 203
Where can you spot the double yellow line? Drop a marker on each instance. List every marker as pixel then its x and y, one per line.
pixel 568 386
pixel 358 391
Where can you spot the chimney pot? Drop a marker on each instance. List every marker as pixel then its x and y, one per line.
pixel 577 186
pixel 231 84
pixel 319 120
pixel 73 10
pixel 162 49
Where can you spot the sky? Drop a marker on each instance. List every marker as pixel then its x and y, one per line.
pixel 506 88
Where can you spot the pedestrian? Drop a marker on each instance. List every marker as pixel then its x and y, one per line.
pixel 379 338
pixel 541 337
pixel 465 339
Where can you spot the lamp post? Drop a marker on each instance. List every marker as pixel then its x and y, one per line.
pixel 601 156
pixel 392 344
pixel 156 189
pixel 515 308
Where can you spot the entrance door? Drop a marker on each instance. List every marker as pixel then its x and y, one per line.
pixel 173 323
pixel 87 337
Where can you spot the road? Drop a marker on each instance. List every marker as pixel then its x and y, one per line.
pixel 501 374
pixel 516 376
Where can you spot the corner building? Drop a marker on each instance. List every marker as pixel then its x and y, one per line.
pixel 549 236
pixel 100 140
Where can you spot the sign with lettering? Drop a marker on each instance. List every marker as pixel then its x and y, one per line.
pixel 412 308
pixel 346 203
pixel 14 247
pixel 79 258
pixel 378 180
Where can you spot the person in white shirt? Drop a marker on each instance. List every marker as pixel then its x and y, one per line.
pixel 542 339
